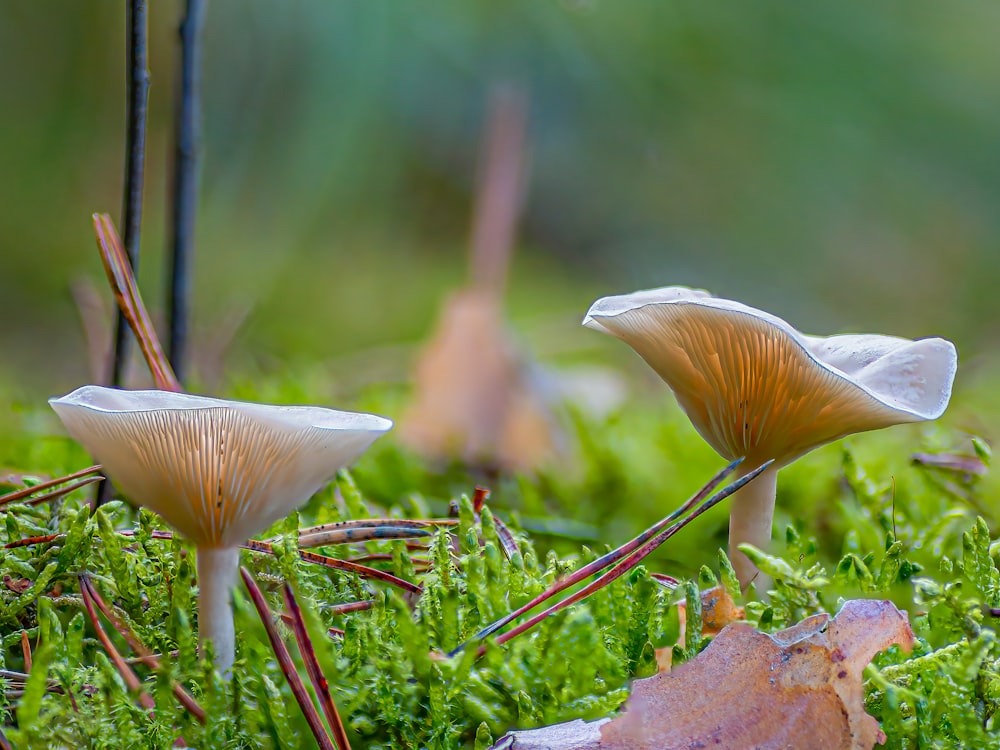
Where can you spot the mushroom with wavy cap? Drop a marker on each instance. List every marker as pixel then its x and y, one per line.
pixel 755 387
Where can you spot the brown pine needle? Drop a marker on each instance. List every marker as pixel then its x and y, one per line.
pixel 320 684
pixel 363 534
pixel 128 675
pixel 11 497
pixel 286 664
pixel 655 535
pixel 126 292
pixel 633 559
pixel 144 654
pixel 332 562
pixel 26 650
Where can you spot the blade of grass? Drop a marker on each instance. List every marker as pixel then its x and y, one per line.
pixel 287 666
pixel 320 684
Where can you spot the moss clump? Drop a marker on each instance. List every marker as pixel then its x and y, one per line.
pixel 908 538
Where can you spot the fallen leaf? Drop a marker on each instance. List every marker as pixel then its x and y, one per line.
pixel 572 735
pixel 801 687
pixel 474 399
pixel 717 611
pixel 17 585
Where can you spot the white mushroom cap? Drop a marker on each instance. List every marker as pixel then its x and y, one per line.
pixel 218 471
pixel 755 387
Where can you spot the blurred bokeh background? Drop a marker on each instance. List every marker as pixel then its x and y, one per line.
pixel 837 164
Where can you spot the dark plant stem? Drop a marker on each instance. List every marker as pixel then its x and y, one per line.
pixel 135 157
pixel 187 152
pixel 135 163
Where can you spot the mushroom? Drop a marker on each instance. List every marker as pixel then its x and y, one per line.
pixel 217 471
pixel 756 388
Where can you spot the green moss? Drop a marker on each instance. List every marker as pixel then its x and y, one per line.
pixel 857 522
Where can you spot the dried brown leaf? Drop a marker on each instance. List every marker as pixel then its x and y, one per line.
pixel 717 610
pixel 572 735
pixel 17 585
pixel 474 397
pixel 801 687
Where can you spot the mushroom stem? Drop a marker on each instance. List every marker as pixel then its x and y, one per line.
pixel 750 516
pixel 217 568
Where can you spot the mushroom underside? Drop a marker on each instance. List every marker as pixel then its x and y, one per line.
pixel 217 475
pixel 753 390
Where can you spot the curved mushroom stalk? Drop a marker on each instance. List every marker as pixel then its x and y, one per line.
pixel 755 387
pixel 217 471
pixel 217 568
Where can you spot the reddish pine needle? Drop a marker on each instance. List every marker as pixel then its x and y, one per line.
pixel 131 680
pixel 286 664
pixel 26 650
pixel 126 291
pixel 320 684
pixel 144 654
pixel 11 497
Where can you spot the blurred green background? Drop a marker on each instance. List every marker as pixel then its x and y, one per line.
pixel 835 164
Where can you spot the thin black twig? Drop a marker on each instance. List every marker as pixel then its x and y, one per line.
pixel 187 153
pixel 135 162
pixel 135 158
